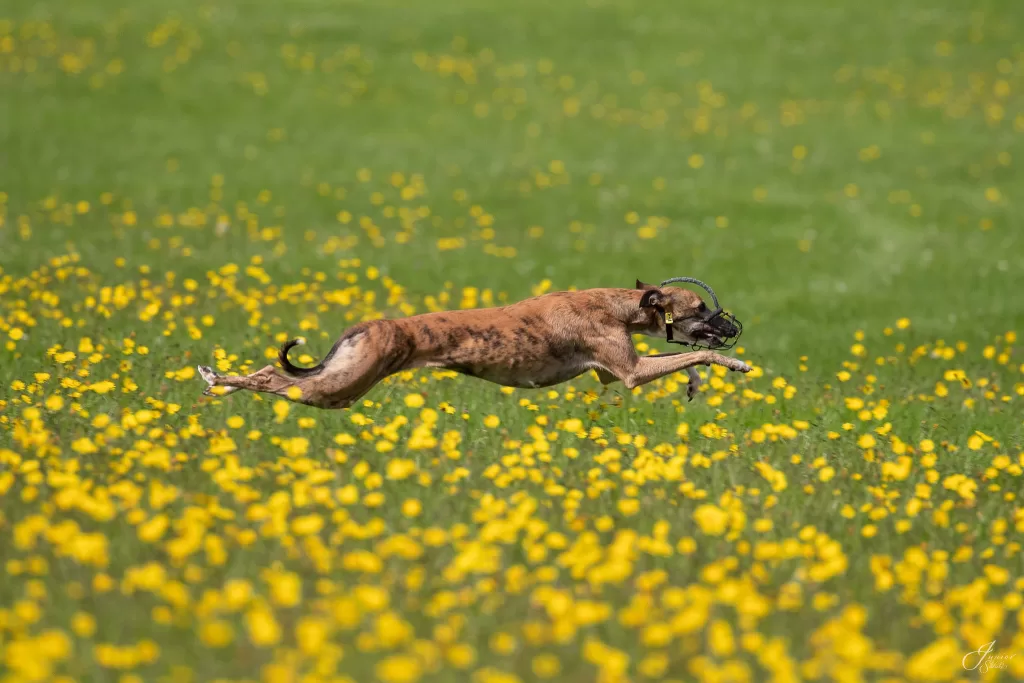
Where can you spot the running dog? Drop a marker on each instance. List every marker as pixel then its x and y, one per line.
pixel 537 342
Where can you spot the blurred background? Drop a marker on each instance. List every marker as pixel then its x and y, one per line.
pixel 823 166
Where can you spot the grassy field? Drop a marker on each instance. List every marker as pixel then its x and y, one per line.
pixel 195 182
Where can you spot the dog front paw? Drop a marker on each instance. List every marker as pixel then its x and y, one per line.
pixel 740 366
pixel 693 385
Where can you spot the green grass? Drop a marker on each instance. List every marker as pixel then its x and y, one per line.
pixel 829 170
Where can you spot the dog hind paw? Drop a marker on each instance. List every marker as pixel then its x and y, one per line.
pixel 210 377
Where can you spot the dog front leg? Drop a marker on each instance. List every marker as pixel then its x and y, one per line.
pixel 648 369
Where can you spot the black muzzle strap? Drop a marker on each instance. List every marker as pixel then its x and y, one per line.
pixel 729 318
pixel 667 315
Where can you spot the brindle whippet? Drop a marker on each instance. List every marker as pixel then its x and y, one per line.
pixel 537 342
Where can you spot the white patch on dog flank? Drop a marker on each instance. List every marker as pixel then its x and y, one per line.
pixel 344 356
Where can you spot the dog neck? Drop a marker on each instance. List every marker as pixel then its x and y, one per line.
pixel 638 320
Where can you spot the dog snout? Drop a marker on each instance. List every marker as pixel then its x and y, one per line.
pixel 728 328
pixel 723 326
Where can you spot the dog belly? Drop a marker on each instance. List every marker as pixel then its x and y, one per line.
pixel 519 377
pixel 498 347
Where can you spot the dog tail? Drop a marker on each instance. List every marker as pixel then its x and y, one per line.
pixel 295 370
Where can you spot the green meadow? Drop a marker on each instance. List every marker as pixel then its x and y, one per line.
pixel 196 182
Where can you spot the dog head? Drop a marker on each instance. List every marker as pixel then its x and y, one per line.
pixel 692 320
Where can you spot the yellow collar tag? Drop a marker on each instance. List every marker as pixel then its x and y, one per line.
pixel 668 318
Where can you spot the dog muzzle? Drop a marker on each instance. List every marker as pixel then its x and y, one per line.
pixel 727 329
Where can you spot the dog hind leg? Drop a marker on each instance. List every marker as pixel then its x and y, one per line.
pixel 352 369
pixel 267 381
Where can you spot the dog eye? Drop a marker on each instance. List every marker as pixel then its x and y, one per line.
pixel 703 307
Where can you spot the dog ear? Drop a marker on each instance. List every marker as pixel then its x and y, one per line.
pixel 652 298
pixel 643 285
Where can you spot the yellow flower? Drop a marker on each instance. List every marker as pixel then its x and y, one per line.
pixel 414 400
pixel 399 669
pixel 653 665
pixel 996 574
pixel 656 635
pixel 503 643
pixel 392 630
pixel 936 660
pixel 310 634
pixel 629 506
pixel 83 624
pixel 216 634
pixel 461 656
pixel 572 425
pixel 712 520
pixel 720 638
pixel 492 421
pixel 546 666
pixel 103 387
pixel 412 508
pixel 263 628
pixel 237 593
pixel 400 468
pixel 307 525
pixel 285 588
pixel 154 529
pixel 84 446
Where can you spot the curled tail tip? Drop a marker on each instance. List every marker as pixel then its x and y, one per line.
pixel 289 367
pixel 282 353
